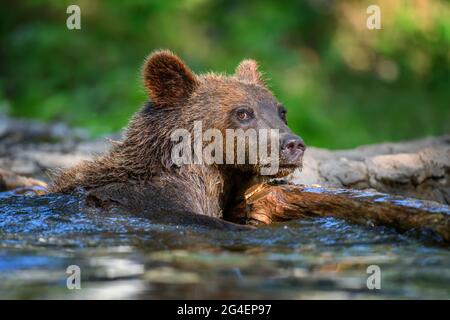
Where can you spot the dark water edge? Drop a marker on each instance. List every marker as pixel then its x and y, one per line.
pixel 122 256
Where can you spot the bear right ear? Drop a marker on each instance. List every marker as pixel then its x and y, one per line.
pixel 167 79
pixel 247 70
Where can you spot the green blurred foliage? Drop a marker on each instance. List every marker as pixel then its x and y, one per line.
pixel 343 84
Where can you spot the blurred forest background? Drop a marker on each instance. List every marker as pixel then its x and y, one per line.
pixel 343 84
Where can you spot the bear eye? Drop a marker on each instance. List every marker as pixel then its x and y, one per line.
pixel 282 111
pixel 244 114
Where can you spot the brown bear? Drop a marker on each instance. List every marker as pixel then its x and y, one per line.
pixel 139 173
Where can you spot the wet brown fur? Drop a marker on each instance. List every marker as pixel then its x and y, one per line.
pixel 142 160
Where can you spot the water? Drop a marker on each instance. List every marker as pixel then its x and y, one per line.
pixel 122 256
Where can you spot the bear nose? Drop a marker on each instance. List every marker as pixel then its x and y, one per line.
pixel 293 147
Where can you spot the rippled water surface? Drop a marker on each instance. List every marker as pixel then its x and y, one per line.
pixel 122 256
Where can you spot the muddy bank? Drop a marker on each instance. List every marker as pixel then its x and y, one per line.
pixel 419 168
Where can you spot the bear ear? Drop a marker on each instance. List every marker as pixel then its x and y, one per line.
pixel 247 70
pixel 167 79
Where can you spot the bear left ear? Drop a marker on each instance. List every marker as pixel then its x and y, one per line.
pixel 167 78
pixel 247 70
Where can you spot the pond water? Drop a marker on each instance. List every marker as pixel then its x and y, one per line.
pixel 122 256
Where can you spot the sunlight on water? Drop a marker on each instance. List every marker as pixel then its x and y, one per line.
pixel 123 256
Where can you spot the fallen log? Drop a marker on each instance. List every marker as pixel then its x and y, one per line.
pixel 267 203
